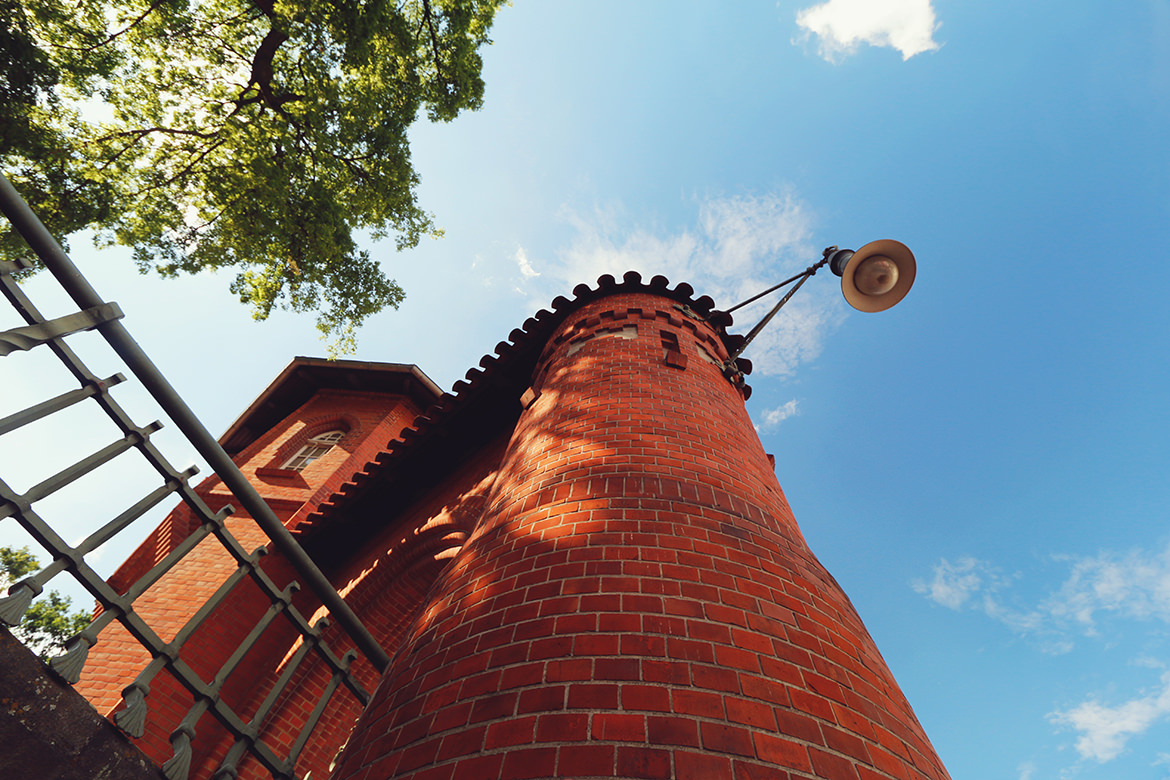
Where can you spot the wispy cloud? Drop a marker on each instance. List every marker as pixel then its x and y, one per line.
pixel 770 418
pixel 1104 730
pixel 737 247
pixel 955 584
pixel 1133 585
pixel 1107 586
pixel 526 269
pixel 841 26
pixel 1027 770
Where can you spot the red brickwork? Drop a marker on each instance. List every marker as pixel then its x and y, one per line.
pixel 371 420
pixel 386 582
pixel 636 600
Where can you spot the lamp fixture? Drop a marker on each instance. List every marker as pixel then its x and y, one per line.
pixel 873 279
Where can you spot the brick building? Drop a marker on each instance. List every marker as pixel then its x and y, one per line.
pixel 580 561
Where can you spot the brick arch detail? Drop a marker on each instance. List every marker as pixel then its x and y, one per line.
pixel 312 427
pixel 388 592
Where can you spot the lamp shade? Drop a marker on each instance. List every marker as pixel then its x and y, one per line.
pixel 878 275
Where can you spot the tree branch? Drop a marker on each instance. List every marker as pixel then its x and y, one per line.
pixel 262 59
pixel 113 36
pixel 148 130
pixel 185 170
pixel 434 40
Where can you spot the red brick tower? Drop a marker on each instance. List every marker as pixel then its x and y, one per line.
pixel 635 599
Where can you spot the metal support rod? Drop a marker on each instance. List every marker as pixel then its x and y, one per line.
pixel 85 296
pixel 802 277
pixel 771 289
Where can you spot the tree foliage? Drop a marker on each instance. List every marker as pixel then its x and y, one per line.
pixel 50 620
pixel 256 135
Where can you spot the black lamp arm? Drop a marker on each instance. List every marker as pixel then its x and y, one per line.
pixel 800 279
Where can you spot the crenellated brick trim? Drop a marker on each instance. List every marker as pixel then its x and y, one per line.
pixel 515 360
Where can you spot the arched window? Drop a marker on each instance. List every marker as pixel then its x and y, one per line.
pixel 314 448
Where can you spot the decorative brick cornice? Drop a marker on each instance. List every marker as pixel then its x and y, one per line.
pixel 491 385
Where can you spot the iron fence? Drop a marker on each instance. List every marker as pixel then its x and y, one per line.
pixel 105 317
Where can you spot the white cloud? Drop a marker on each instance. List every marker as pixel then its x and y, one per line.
pixel 773 417
pixel 843 25
pixel 977 585
pixel 738 247
pixel 1134 585
pixel 1107 586
pixel 954 584
pixel 526 269
pixel 1105 730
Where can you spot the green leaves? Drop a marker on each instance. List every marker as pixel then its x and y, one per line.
pixel 16 563
pixel 250 134
pixel 49 622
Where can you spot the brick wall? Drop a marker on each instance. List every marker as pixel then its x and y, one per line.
pixel 371 420
pixel 386 581
pixel 636 600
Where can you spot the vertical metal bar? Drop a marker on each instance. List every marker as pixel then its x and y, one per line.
pixel 227 769
pixel 174 556
pixel 178 766
pixel 253 636
pixel 87 464
pixel 132 717
pixel 70 663
pixel 31 336
pixel 9 267
pixel 143 505
pixel 319 710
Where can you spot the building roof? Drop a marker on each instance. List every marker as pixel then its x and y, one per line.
pixel 477 409
pixel 305 376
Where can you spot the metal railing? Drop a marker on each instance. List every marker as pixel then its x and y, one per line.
pixel 104 317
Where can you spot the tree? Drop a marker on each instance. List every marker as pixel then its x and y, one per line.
pixel 48 623
pixel 256 135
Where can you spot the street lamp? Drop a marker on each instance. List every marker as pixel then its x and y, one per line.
pixel 873 278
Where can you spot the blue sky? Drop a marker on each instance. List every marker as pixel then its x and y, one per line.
pixel 984 467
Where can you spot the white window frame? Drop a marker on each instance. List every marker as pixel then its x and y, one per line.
pixel 313 449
